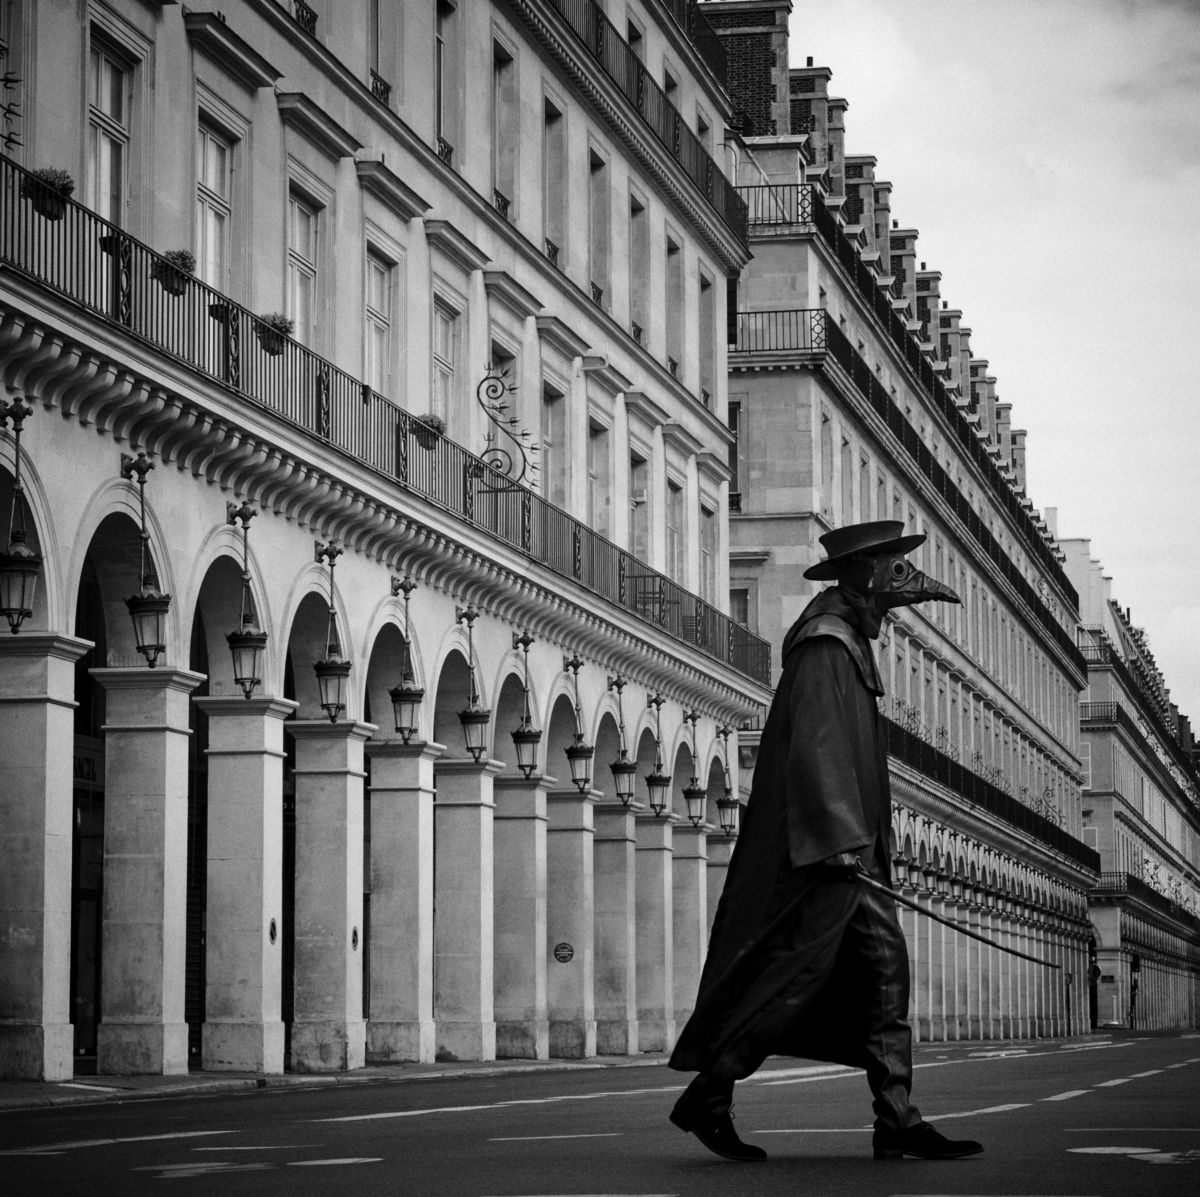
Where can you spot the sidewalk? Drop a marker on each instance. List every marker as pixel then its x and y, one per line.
pixel 91 1090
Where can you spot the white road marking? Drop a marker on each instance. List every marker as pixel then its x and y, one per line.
pixel 105 1142
pixel 779 1076
pixel 196 1168
pixel 1014 1105
pixel 829 1073
pixel 1151 1072
pixel 816 1130
pixel 1170 1157
pixel 1121 1080
pixel 500 1105
pixel 93 1088
pixel 361 1159
pixel 1112 1150
pixel 285 1147
pixel 998 1054
pixel 1092 1130
pixel 1069 1093
pixel 535 1138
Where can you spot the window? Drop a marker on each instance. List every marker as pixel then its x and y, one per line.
pixel 676 533
pixel 639 503
pixel 739 605
pixel 598 229
pixel 446 78
pixel 504 127
pixel 378 323
pixel 826 461
pixel 373 35
pixel 674 306
pixel 633 35
pixel 214 159
pixel 736 481
pixel 639 270
pixel 445 359
pixel 302 268
pixel 108 133
pixel 864 488
pixel 708 555
pixel 598 473
pixel 554 446
pixel 554 181
pixel 708 341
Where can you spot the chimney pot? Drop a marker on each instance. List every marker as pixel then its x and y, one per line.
pixel 922 265
pixel 895 224
pixel 809 63
pixel 945 303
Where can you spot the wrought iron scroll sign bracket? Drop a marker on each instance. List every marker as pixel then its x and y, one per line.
pixel 515 464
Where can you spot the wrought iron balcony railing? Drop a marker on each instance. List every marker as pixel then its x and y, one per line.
pixel 306 17
pixel 121 281
pixel 926 759
pixel 781 208
pixel 445 151
pixel 704 37
pixel 811 330
pixel 626 70
pixel 381 89
pixel 1116 885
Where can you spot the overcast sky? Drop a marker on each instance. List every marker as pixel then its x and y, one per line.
pixel 1049 153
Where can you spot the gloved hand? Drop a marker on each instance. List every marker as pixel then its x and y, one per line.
pixel 844 864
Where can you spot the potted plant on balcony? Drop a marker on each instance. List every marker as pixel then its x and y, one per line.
pixel 427 429
pixel 173 270
pixel 47 189
pixel 273 329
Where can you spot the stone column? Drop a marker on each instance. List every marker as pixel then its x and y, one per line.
pixel 522 1020
pixel 37 700
pixel 401 1020
pixel 720 849
pixel 689 885
pixel 615 879
pixel 144 926
pixel 977 1005
pixel 463 929
pixel 924 974
pixel 243 1030
pixel 571 920
pixel 655 933
pixel 329 1032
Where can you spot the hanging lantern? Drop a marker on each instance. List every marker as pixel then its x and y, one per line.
pixel 624 773
pixel 149 607
pixel 695 798
pixel 406 707
pixel 20 566
pixel 579 757
pixel 474 718
pixel 332 671
pixel 658 785
pixel 248 644
pixel 408 696
pixel 526 737
pixel 728 810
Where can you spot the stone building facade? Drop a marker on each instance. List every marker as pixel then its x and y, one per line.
pixel 1141 811
pixel 299 231
pixel 854 395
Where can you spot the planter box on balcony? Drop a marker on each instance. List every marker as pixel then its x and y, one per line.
pixel 425 436
pixel 47 201
pixel 271 339
pixel 173 281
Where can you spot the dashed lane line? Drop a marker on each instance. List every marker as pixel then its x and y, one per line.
pixel 1121 1080
pixel 1012 1105
pixel 47 1148
pixel 540 1138
pixel 1149 1072
pixel 1066 1096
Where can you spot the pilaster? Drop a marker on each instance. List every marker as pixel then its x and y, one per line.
pixel 655 933
pixel 689 886
pixel 615 845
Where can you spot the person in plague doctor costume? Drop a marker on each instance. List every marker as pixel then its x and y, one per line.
pixel 804 959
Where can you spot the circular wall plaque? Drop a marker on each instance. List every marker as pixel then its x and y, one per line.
pixel 563 953
pixel 271 931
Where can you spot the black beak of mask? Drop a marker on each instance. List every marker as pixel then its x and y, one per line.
pixel 874 584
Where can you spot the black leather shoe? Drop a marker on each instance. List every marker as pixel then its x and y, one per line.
pixel 714 1130
pixel 922 1141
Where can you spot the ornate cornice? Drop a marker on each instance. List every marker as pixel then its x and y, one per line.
pixel 135 395
pixel 315 125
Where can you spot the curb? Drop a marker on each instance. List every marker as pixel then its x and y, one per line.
pixel 293 1081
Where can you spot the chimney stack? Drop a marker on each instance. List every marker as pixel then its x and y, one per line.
pixel 755 36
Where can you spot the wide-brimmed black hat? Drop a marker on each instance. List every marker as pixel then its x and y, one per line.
pixel 879 536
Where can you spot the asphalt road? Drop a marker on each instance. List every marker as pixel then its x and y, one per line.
pixel 1085 1120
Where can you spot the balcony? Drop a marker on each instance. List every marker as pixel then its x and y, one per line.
pixel 1128 885
pixel 809 330
pixel 381 89
pixel 618 61
pixel 913 751
pixel 778 209
pixel 117 279
pixel 704 37
pixel 305 17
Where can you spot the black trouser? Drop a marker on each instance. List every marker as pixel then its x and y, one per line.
pixel 840 925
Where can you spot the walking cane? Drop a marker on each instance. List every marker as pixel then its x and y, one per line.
pixel 867 879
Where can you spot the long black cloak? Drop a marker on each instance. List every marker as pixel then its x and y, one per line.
pixel 820 788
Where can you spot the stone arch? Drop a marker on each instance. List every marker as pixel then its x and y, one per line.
pixel 451 695
pixel 510 707
pixel 307 631
pixel 715 789
pixel 389 614
pixel 558 737
pixel 216 611
pixel 39 538
pixel 608 749
pixel 385 669
pixel 645 762
pixel 681 775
